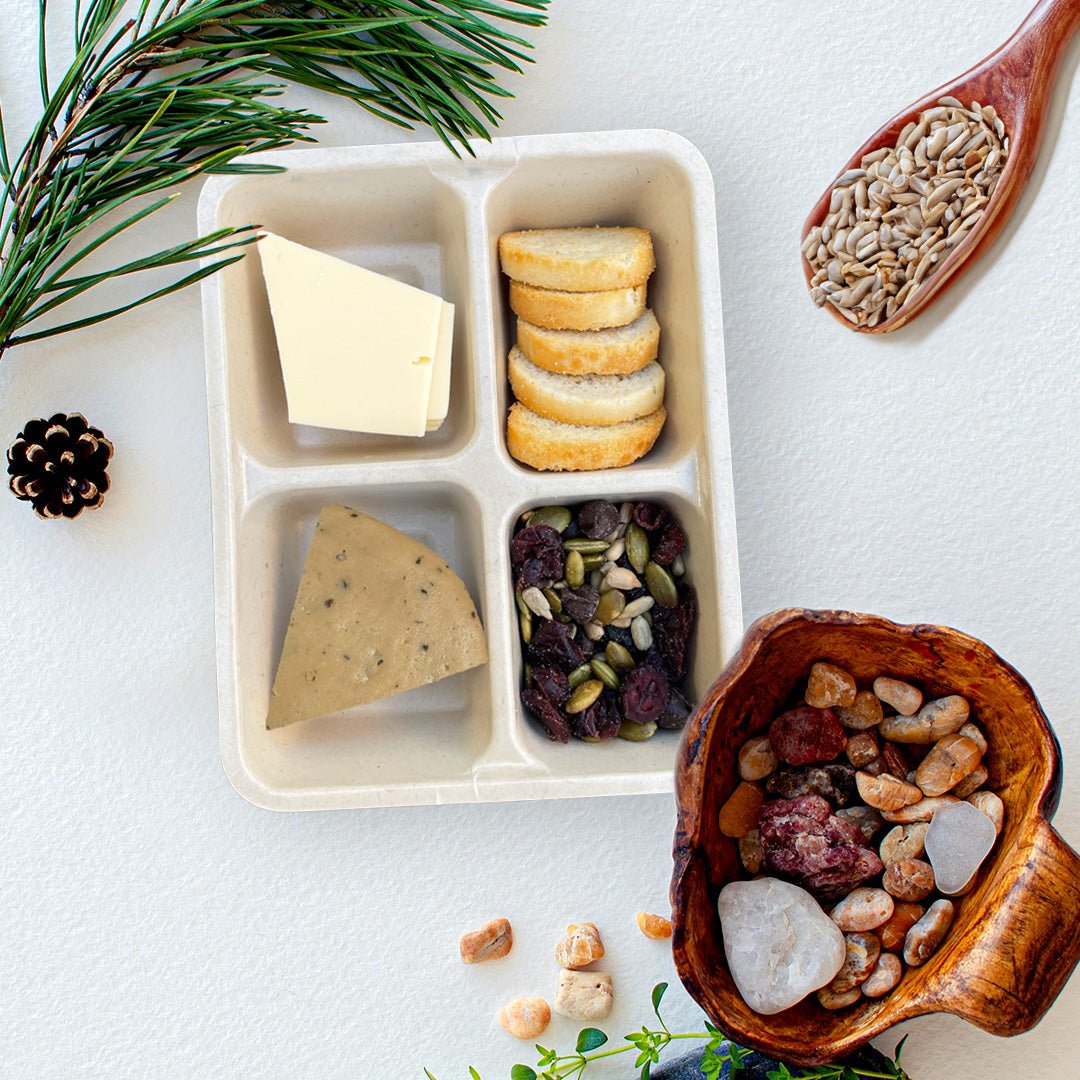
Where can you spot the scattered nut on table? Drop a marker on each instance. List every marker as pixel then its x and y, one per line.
pixel 491 942
pixel 525 1017
pixel 584 995
pixel 655 927
pixel 580 946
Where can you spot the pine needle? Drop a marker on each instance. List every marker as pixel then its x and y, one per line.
pixel 186 87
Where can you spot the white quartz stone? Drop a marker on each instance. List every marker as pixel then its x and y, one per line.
pixel 959 838
pixel 780 945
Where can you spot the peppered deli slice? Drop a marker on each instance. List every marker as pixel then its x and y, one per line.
pixel 376 613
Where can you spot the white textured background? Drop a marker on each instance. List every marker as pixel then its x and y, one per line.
pixel 155 925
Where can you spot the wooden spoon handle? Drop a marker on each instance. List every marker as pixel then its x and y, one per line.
pixel 1025 948
pixel 1033 53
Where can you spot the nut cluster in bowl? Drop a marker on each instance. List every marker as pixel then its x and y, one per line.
pixel 606 619
pixel 816 792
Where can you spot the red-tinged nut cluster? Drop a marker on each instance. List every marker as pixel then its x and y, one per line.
pixel 817 792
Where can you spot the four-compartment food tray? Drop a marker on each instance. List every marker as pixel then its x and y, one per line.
pixel 417 214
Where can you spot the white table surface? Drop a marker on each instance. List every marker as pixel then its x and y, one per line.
pixel 156 925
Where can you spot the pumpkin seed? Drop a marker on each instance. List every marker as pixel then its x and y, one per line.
pixel 584 696
pixel 528 677
pixel 637 547
pixel 635 732
pixel 661 585
pixel 558 517
pixel 590 738
pixel 553 600
pixel 585 545
pixel 525 622
pixel 592 562
pixel 620 658
pixel 578 676
pixel 521 605
pixel 610 606
pixel 574 570
pixel 605 673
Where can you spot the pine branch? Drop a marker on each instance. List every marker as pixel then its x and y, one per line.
pixel 186 87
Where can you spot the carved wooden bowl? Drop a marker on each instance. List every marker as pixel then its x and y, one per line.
pixel 1016 935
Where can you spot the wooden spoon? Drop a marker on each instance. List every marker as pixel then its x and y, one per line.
pixel 1017 80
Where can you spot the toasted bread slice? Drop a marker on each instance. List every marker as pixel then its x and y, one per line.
pixel 586 399
pixel 615 351
pixel 578 260
pixel 555 446
pixel 560 310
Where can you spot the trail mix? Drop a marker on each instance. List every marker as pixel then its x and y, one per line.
pixel 606 619
pixel 873 803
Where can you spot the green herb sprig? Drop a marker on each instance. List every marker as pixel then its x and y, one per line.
pixel 186 88
pixel 650 1043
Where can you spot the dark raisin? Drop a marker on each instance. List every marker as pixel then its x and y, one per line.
pixel 653 659
pixel 672 628
pixel 649 516
pixel 672 543
pixel 580 604
pixel 598 518
pixel 676 711
pixel 643 694
pixel 600 720
pixel 552 683
pixel 635 594
pixel 552 721
pixel 536 553
pixel 571 532
pixel 552 644
pixel 619 635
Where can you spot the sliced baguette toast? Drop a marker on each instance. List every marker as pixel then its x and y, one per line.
pixel 578 260
pixel 560 310
pixel 615 351
pixel 551 445
pixel 586 399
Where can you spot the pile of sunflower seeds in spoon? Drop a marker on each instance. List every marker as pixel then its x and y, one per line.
pixel 894 221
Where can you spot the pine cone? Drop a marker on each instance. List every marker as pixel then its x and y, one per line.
pixel 59 465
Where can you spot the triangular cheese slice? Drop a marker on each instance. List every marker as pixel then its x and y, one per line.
pixel 357 349
pixel 376 613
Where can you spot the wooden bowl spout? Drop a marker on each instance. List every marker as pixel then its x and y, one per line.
pixel 1016 936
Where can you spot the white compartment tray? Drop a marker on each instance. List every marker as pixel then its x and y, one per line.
pixel 413 212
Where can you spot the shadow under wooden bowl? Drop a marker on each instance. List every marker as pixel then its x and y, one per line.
pixel 1016 936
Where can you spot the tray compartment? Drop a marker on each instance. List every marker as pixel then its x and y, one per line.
pixel 428 735
pixel 409 226
pixel 653 757
pixel 653 189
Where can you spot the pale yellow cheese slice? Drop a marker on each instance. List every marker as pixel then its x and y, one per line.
pixel 440 372
pixel 356 348
pixel 376 613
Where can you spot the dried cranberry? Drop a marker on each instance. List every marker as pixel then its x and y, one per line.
pixel 649 516
pixel 598 518
pixel 580 604
pixel 536 552
pixel 804 735
pixel 672 628
pixel 552 683
pixel 552 721
pixel 643 694
pixel 676 712
pixel 672 543
pixel 600 720
pixel 552 644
